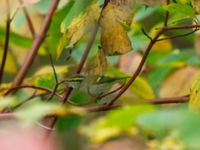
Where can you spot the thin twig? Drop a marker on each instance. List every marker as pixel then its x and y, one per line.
pixel 98 108
pixel 68 90
pixel 55 76
pixel 139 68
pixel 28 19
pixel 177 36
pixel 13 89
pixel 6 44
pixel 36 45
pixel 146 34
pixel 166 15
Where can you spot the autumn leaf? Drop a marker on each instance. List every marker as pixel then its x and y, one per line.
pixel 114 37
pixel 10 66
pixel 97 66
pixel 79 26
pixel 196 5
pixel 194 102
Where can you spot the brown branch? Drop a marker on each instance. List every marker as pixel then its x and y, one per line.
pixel 166 15
pixel 68 90
pixel 6 44
pixel 28 19
pixel 99 108
pixel 170 100
pixel 139 68
pixel 178 36
pixel 181 27
pixel 36 45
pixel 13 89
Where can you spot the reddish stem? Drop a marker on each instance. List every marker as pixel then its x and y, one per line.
pixel 6 45
pixel 36 45
pixel 28 18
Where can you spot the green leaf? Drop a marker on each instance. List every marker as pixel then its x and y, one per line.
pixel 16 39
pixel 54 31
pixel 179 11
pixel 142 89
pixel 117 122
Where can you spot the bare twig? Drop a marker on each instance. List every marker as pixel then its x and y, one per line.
pixel 13 89
pixel 6 44
pixel 28 19
pixel 36 45
pixel 99 108
pixel 139 68
pixel 178 36
pixel 68 90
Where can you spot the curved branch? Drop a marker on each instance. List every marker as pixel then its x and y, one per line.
pixel 13 89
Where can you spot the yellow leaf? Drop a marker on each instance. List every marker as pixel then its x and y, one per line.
pixel 79 26
pixel 48 70
pixel 142 89
pixel 194 102
pixel 196 5
pixel 163 46
pixel 114 37
pixel 4 88
pixel 10 66
pixel 98 64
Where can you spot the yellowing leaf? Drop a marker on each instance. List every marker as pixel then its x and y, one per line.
pixel 10 66
pixel 179 83
pixel 194 102
pixel 163 46
pixel 114 37
pixel 4 88
pixel 196 5
pixel 98 64
pixel 36 110
pixel 115 123
pixel 45 76
pixel 48 70
pixel 142 89
pixel 79 26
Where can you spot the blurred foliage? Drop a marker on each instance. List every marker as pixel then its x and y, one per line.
pixel 171 70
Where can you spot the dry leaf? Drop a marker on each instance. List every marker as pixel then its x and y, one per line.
pixel 179 83
pixel 82 24
pixel 98 64
pixel 79 26
pixel 194 102
pixel 196 5
pixel 114 37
